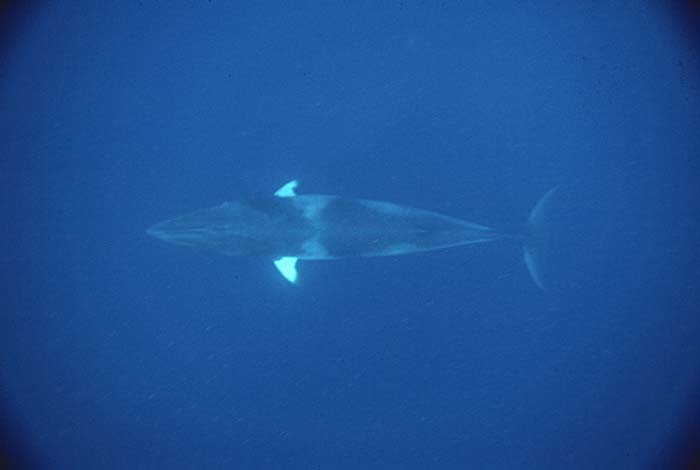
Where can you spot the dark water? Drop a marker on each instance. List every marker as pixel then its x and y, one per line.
pixel 122 352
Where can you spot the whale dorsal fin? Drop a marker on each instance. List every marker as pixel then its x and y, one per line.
pixel 288 189
pixel 287 266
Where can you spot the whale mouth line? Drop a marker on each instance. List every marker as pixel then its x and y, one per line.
pixel 180 236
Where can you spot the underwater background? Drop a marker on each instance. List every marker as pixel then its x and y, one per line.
pixel 118 351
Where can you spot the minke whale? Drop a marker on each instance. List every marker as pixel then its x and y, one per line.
pixel 287 227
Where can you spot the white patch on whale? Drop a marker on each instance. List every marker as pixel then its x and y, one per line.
pixel 288 189
pixel 287 266
pixel 314 249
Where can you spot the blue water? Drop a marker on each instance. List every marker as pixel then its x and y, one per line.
pixel 118 351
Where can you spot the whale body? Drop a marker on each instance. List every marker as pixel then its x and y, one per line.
pixel 288 227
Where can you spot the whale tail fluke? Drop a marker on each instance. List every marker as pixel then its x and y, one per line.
pixel 535 248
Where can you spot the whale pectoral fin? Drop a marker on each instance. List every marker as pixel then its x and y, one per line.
pixel 288 189
pixel 287 266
